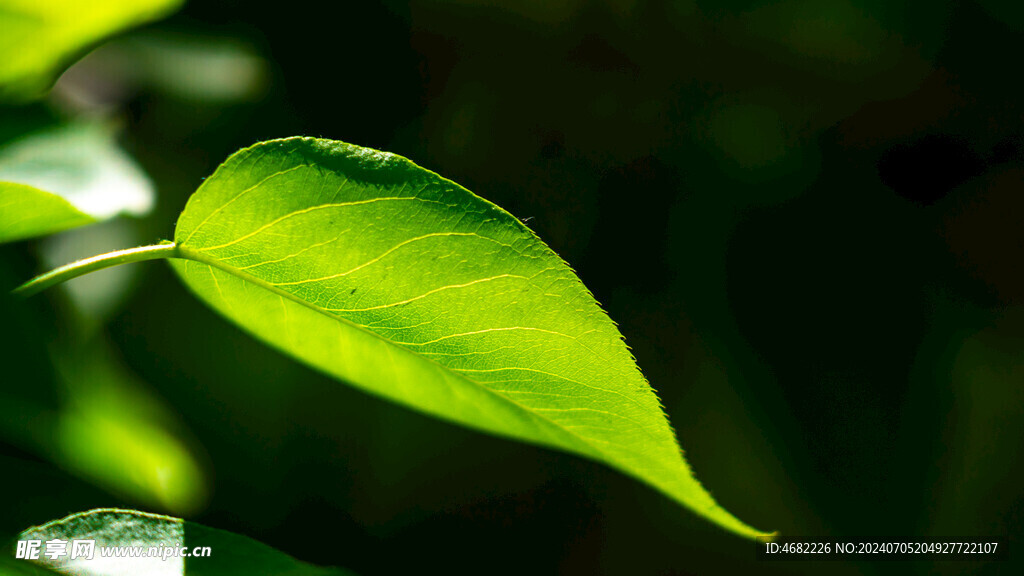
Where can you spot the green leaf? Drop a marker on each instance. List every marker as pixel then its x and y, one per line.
pixel 229 554
pixel 115 433
pixel 109 429
pixel 38 37
pixel 26 212
pixel 408 286
pixel 67 177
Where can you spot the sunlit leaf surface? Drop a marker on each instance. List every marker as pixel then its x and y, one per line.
pixel 404 284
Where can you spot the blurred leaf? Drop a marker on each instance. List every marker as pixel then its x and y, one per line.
pixel 229 553
pixel 26 212
pixel 195 68
pixel 108 430
pixel 38 37
pixel 405 284
pixel 116 434
pixel 66 177
pixel 977 491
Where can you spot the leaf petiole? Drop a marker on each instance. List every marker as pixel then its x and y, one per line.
pixel 76 269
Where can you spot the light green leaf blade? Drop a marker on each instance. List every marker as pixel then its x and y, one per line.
pixel 26 211
pixel 408 286
pixel 66 177
pixel 38 37
pixel 229 554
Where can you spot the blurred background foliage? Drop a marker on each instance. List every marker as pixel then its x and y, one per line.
pixel 804 215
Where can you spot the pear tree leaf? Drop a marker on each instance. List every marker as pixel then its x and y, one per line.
pixel 163 546
pixel 65 177
pixel 408 286
pixel 39 37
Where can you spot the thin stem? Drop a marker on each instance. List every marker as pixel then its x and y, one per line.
pixel 76 269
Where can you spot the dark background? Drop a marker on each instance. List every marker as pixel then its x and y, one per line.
pixel 805 217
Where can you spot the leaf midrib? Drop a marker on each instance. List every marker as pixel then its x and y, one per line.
pixel 185 253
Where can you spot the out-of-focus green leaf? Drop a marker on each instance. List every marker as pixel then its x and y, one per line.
pixel 199 69
pixel 26 212
pixel 66 177
pixel 116 434
pixel 193 67
pixel 38 37
pixel 405 284
pixel 228 553
pixel 974 493
pixel 108 430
